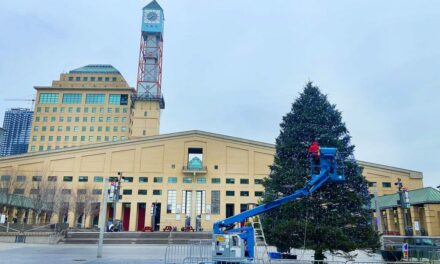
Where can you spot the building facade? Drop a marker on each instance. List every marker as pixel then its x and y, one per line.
pixel 194 174
pixel 2 136
pixel 88 105
pixel 17 125
pixel 422 216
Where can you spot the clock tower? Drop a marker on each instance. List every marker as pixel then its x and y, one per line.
pixel 149 101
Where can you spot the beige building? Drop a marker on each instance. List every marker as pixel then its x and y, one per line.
pixel 385 176
pixel 88 105
pixel 160 170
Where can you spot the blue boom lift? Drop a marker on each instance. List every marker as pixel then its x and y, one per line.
pixel 237 245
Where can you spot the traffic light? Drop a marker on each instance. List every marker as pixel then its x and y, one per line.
pixel 399 184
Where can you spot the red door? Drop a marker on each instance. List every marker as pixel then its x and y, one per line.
pixel 141 216
pixel 126 219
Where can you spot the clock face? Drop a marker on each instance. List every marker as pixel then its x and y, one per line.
pixel 152 16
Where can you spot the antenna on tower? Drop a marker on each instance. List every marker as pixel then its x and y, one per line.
pixel 28 100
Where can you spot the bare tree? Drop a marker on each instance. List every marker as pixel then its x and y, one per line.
pixel 44 194
pixel 12 187
pixel 84 203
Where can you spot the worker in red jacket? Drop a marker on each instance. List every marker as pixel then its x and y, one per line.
pixel 313 152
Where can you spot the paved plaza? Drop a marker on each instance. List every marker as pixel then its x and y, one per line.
pixel 51 254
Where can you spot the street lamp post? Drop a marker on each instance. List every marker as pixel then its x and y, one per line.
pixel 103 218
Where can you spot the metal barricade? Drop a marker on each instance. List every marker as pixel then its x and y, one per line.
pixel 177 254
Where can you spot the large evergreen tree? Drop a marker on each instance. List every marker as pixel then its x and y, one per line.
pixel 335 217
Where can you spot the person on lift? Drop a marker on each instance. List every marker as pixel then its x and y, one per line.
pixel 313 153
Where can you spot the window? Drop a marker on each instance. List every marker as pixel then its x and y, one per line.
pixel 86 109
pixel 113 79
pixel 42 138
pixel 83 179
pixel 67 128
pixel 58 138
pixel 100 119
pixel 142 192
pixel 84 129
pixel 99 79
pixel 123 129
pixel 171 202
pixel 35 128
pixel 115 138
pixel 72 98
pixel 75 128
pixel 244 181
pixel 95 98
pixel 46 109
pixel 109 110
pixel 187 180
pixel 60 128
pixel 114 99
pixel 34 138
pixel 77 78
pixel 92 119
pixel 41 148
pixel 82 191
pixel 258 181
pixel 61 119
pixel 371 184
pixel 244 193
pixel 77 119
pixel 75 138
pixel 157 179
pixel 52 178
pixel 96 191
pixel 36 178
pixel 124 119
pixel 34 191
pixel 5 178
pixel 98 179
pixel 38 109
pixel 128 179
pixel 48 98
pixel 145 113
pixel 78 110
pixel 92 128
pixel 54 109
pixel 143 179
pixel 85 79
pixel 101 110
pixel 127 192
pixel 386 184
pixel 230 180
pixel 157 192
pixel 115 129
pixel 70 109
pixel 172 179
pixel 107 79
pixel 230 193
pixel 21 178
pixel 92 79
pixel 201 180
pixel 43 128
pixel 215 167
pixel 19 191
pixel 258 194
pixel 50 138
pixel 67 178
pixel 200 202
pixel 84 119
pixel 186 202
pixel 37 119
pixel 215 180
pixel 116 119
pixel 91 138
pixel 108 119
pixel 66 191
pixel 215 202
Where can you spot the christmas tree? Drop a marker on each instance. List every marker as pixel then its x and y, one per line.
pixel 336 216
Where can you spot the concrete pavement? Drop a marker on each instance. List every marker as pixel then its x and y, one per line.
pixel 54 254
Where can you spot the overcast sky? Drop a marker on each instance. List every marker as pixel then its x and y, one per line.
pixel 235 67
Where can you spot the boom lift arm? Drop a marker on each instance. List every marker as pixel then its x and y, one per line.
pixel 327 171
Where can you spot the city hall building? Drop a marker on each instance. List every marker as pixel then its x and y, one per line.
pixel 90 126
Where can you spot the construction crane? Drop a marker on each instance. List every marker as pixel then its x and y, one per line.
pixel 237 245
pixel 28 100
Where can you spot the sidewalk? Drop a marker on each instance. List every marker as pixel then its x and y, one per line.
pixel 51 254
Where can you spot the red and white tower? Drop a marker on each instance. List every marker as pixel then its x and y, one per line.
pixel 149 99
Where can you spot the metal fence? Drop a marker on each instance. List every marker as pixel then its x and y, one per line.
pixel 178 254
